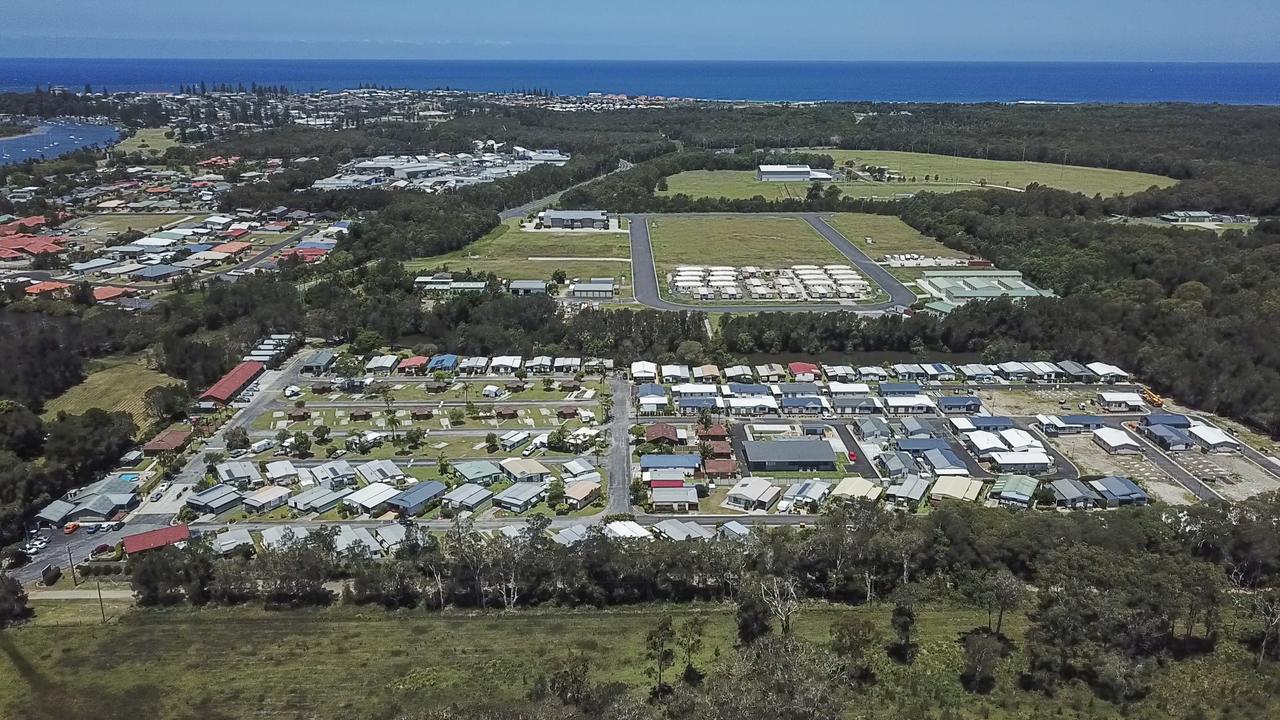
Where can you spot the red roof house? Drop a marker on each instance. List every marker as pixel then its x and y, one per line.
pixel 106 293
pixel 803 368
pixel 719 468
pixel 154 539
pixel 175 438
pixel 661 432
pixel 412 365
pixel 654 484
pixel 47 287
pixel 233 382
pixel 232 248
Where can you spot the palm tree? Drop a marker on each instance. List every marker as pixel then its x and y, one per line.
pixel 393 421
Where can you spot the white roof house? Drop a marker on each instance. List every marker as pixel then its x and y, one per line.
pixel 382 363
pixel 505 364
pixel 1115 440
pixel 644 370
pixel 753 493
pixel 280 472
pixel 627 530
pixel 956 488
pixel 1213 438
pixel 380 471
pixel 857 487
pixel 1019 439
pixel 370 497
pixel 1024 461
pixel 1107 371
pixel 1120 400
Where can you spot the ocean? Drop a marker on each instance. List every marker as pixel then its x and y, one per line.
pixel 958 82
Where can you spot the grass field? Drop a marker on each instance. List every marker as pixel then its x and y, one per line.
pixel 891 236
pixel 507 252
pixel 953 174
pixel 148 140
pixel 119 386
pixel 1003 172
pixel 100 226
pixel 355 663
pixel 762 240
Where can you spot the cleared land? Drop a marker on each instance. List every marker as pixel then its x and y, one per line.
pixel 1000 173
pixel 889 236
pixel 1090 459
pixel 506 252
pixel 355 663
pixel 119 387
pixel 742 185
pixel 764 241
pixel 100 227
pixel 148 140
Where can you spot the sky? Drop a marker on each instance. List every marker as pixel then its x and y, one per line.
pixel 999 30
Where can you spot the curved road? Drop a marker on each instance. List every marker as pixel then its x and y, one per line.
pixel 645 276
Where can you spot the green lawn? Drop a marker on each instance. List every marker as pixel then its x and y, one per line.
pixel 151 141
pixel 738 240
pixel 100 227
pixel 742 185
pixel 356 663
pixel 889 236
pixel 117 387
pixel 507 252
pixel 998 173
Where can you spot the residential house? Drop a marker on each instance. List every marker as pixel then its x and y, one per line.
pixel 673 499
pixel 266 499
pixel 789 455
pixel 524 470
pixel 520 497
pixel 419 497
pixel 1116 441
pixel 215 500
pixel 468 496
pixel 1073 494
pixel 580 493
pixel 753 494
pixel 477 472
pixel 371 499
pixel 1014 490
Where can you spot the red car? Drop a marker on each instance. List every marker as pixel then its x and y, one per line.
pixel 853 456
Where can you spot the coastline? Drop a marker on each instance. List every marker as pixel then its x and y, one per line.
pixel 39 130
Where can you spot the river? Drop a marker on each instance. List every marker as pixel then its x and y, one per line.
pixel 54 138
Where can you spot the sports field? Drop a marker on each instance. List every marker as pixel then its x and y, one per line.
pixel 1000 173
pixel 512 254
pixel 888 236
pixel 761 240
pixel 121 386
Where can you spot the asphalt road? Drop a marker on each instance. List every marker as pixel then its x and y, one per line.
pixel 620 448
pixel 540 203
pixel 646 283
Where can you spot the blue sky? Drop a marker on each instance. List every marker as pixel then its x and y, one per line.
pixel 1077 30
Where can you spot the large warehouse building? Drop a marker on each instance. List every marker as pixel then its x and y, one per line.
pixel 789 456
pixel 790 173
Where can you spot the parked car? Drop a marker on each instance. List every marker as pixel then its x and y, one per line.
pixel 164 487
pixel 155 496
pixel 91 529
pixel 853 456
pixel 70 528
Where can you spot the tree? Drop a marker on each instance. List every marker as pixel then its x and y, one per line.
pixel 393 420
pixel 237 438
pixel 165 402
pixel 491 442
pixel 752 618
pixel 1006 593
pixel 689 641
pixel 301 444
pixel 21 431
pixel 321 433
pixel 658 650
pixel 559 277
pixel 13 601
pixel 413 436
pixel 776 677
pixel 455 416
pixel 1265 608
pixel 606 408
pixel 367 342
pixel 903 621
pixel 442 465
pixel 555 492
pixel 781 596
pixel 852 636
pixel 982 652
pixel 157 577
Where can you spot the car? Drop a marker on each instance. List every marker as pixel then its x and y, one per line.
pixel 70 528
pixel 238 453
pixel 338 453
pixel 853 456
pixel 155 496
pixel 117 525
pixel 164 487
pixel 91 529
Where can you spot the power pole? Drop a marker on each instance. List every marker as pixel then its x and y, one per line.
pixel 101 607
pixel 72 565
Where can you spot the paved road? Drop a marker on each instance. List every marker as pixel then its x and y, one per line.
pixel 540 203
pixel 268 251
pixel 620 448
pixel 646 283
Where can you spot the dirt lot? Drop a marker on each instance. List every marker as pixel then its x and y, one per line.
pixel 1024 402
pixel 1091 459
pixel 1235 477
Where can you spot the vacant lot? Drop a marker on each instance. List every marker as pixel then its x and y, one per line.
pixel 743 185
pixel 1235 477
pixel 513 254
pixel 151 141
pixel 119 387
pixel 738 240
pixel 1040 401
pixel 997 173
pixel 1090 459
pixel 101 227
pixel 357 663
pixel 888 236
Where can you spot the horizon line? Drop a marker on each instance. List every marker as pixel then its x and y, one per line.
pixel 644 60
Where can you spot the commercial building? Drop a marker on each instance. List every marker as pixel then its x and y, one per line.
pixel 99 501
pixel 596 289
pixel 575 219
pixel 957 287
pixel 790 173
pixel 789 455
pixel 232 384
